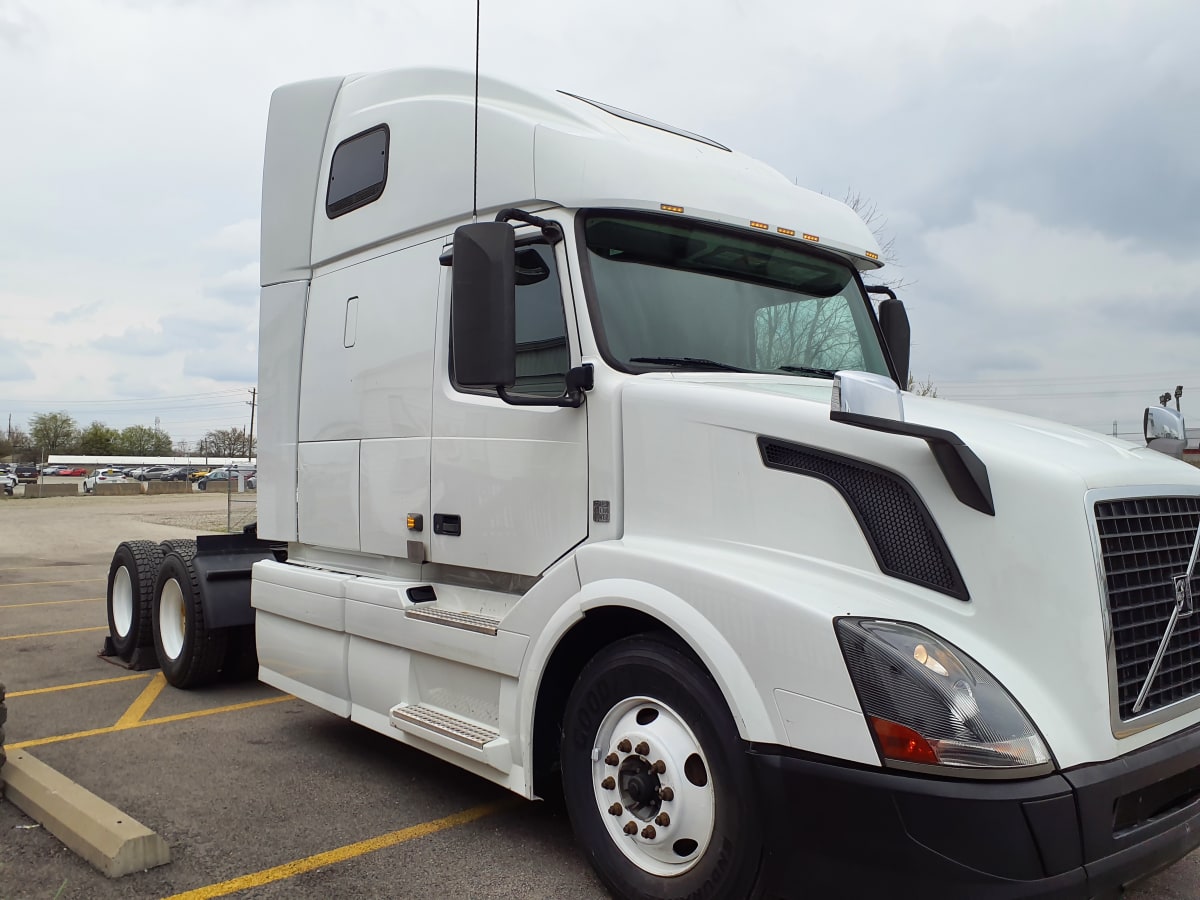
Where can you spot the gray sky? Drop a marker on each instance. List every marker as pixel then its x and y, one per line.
pixel 1037 163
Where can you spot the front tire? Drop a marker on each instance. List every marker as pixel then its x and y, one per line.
pixel 656 779
pixel 130 596
pixel 189 653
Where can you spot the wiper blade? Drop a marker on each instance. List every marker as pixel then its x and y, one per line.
pixel 687 361
pixel 808 370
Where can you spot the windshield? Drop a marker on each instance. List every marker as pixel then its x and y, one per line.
pixel 678 294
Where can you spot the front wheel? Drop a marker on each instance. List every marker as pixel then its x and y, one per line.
pixel 656 779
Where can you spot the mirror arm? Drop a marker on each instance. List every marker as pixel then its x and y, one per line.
pixel 551 231
pixel 579 380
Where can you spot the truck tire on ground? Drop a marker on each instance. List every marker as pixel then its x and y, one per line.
pixel 655 777
pixel 130 595
pixel 189 653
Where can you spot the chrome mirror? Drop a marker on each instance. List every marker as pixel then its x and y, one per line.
pixel 867 394
pixel 1165 431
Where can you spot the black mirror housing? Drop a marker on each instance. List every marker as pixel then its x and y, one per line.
pixel 893 322
pixel 483 329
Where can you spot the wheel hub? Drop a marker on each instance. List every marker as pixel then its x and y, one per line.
pixel 652 786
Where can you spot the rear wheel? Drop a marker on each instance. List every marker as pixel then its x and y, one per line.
pixel 189 653
pixel 130 595
pixel 185 547
pixel 656 780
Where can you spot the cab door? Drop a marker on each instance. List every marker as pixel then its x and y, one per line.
pixel 508 484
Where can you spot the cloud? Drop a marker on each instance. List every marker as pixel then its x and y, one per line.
pixel 13 365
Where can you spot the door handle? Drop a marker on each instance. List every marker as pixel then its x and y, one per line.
pixel 449 525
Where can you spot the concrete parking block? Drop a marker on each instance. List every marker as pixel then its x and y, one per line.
pixel 51 490
pixel 118 488
pixel 110 840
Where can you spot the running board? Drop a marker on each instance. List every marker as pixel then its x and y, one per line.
pixel 467 621
pixel 454 733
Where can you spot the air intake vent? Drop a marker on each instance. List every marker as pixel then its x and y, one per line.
pixel 895 521
pixel 1146 542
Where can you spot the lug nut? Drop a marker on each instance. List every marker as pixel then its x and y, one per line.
pixel 662 819
pixel 642 749
pixel 648 832
pixel 612 759
pixel 659 767
pixel 608 783
pixel 667 794
pixel 615 809
pixel 625 746
pixel 631 827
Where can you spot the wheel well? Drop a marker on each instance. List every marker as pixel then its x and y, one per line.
pixel 598 629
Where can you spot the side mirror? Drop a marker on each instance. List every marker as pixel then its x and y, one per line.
pixel 483 329
pixel 893 322
pixel 1165 431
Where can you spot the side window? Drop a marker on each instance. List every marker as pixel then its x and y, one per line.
pixel 543 357
pixel 358 172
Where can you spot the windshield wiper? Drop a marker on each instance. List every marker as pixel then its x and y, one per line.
pixel 808 370
pixel 689 361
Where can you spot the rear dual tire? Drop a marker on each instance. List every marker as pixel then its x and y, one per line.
pixel 190 653
pixel 131 579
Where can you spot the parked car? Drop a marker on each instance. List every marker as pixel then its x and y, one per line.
pixel 52 470
pixel 223 474
pixel 8 482
pixel 27 473
pixel 147 473
pixel 72 471
pixel 102 476
pixel 199 473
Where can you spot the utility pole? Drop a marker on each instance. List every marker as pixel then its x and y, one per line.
pixel 250 444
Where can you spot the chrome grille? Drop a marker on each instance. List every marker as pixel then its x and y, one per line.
pixel 1146 542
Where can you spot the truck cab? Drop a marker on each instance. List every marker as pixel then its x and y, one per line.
pixel 588 443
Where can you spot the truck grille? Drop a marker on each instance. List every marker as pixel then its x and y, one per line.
pixel 1145 543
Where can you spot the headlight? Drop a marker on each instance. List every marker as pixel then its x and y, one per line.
pixel 929 704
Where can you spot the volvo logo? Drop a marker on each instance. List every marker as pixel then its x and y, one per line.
pixel 1184 607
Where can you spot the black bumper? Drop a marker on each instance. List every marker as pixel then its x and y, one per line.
pixel 838 831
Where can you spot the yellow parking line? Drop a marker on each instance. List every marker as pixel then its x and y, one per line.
pixel 36 583
pixel 138 707
pixel 329 857
pixel 48 602
pixel 17 637
pixel 179 717
pixel 80 684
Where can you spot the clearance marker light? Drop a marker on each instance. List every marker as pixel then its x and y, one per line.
pixel 810 237
pixel 763 225
pixel 667 207
pixel 790 232
pixel 871 255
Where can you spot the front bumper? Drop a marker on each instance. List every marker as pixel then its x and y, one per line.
pixel 840 831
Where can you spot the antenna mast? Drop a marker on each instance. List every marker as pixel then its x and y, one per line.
pixel 475 185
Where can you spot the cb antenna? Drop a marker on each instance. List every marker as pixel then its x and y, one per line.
pixel 475 183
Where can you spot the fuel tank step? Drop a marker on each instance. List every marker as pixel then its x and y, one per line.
pixel 443 723
pixel 468 621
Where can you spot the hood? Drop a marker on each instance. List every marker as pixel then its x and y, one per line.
pixel 1098 460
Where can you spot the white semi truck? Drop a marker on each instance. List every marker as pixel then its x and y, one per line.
pixel 585 465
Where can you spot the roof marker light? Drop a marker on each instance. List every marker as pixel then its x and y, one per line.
pixel 667 207
pixel 790 232
pixel 810 237
pixel 871 255
pixel 762 225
